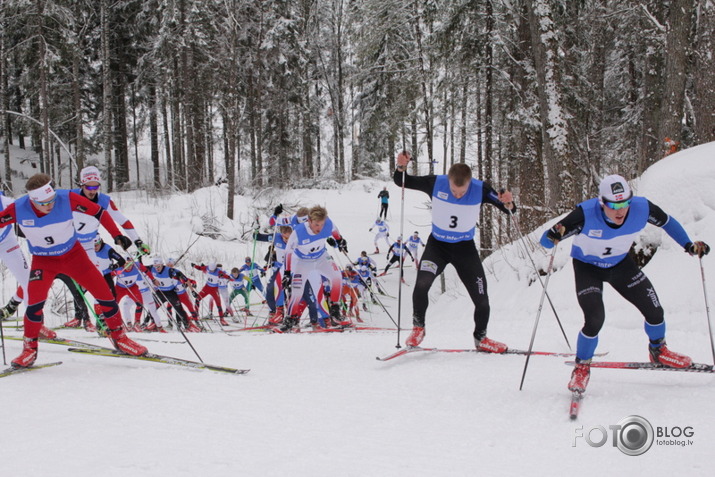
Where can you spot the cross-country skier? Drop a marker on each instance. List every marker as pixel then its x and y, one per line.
pixel 14 259
pixel 307 260
pixel 457 200
pixel 165 280
pixel 604 228
pixel 413 244
pixel 384 197
pixel 45 217
pixel 210 288
pixel 398 250
pixel 275 297
pixel 383 232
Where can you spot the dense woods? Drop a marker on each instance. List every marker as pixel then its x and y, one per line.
pixel 542 96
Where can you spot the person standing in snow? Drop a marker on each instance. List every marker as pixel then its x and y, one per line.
pixel 384 197
pixel 45 218
pixel 457 200
pixel 604 228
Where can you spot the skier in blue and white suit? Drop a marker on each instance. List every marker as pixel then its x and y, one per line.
pixel 457 200
pixel 604 229
pixel 307 261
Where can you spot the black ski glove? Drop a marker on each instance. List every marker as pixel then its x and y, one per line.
pixel 278 210
pixel 697 248
pixel 331 241
pixel 556 233
pixel 343 245
pixel 123 241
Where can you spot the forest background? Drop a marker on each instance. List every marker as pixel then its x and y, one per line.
pixel 541 96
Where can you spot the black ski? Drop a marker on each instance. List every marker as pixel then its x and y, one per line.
pixel 405 351
pixel 157 358
pixel 693 368
pixel 10 371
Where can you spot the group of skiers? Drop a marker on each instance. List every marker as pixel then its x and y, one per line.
pixel 61 227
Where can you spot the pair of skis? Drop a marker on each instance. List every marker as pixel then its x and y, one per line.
pixel 92 349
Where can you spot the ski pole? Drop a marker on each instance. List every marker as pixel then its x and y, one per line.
pixel 533 264
pixel 402 227
pixel 187 249
pixel 538 314
pixel 2 338
pixel 707 309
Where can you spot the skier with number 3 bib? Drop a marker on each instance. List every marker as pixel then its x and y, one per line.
pixel 457 200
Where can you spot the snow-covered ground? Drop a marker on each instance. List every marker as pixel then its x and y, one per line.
pixel 321 405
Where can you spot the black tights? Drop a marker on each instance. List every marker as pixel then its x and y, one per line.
pixel 465 259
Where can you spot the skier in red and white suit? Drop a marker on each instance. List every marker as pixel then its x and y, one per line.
pixel 45 218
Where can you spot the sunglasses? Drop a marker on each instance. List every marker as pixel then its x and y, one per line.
pixel 91 187
pixel 617 205
pixel 47 202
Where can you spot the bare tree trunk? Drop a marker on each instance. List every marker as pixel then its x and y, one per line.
pixel 4 100
pixel 426 97
pixel 650 148
pixel 44 94
pixel 121 135
pixel 154 134
pixel 229 135
pixel 554 130
pixel 168 140
pixel 678 51
pixel 135 134
pixel 107 94
pixel 704 102
pixel 463 126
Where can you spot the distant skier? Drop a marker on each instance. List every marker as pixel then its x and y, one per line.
pixel 383 232
pixel 413 244
pixel 384 197
pixel 398 251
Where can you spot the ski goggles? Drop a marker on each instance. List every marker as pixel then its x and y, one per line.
pixel 45 202
pixel 617 205
pixel 91 187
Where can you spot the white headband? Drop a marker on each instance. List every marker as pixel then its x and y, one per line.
pixel 42 194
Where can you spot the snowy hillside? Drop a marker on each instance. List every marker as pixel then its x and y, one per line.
pixel 321 405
